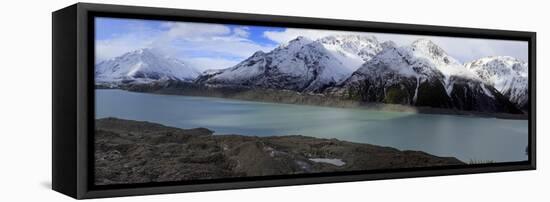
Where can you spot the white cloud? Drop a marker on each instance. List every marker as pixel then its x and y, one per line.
pixel 194 31
pixel 219 43
pixel 241 32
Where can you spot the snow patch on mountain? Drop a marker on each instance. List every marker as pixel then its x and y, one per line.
pixel 447 65
pixel 507 74
pixel 249 68
pixel 144 65
pixel 301 64
pixel 352 50
pixel 421 74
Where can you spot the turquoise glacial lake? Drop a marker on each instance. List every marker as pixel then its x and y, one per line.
pixel 464 137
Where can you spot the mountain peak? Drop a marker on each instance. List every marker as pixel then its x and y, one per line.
pixel 342 38
pixel 290 66
pixel 350 41
pixel 258 53
pixel 143 65
pixel 143 51
pixel 507 74
pixel 502 59
pixel 300 39
pixel 423 42
pixel 499 64
pixel 355 46
pixel 296 43
pixel 388 44
pixel 427 46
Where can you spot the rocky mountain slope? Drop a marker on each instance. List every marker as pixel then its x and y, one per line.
pixel 421 74
pixel 507 74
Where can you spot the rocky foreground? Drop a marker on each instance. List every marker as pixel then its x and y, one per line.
pixel 139 152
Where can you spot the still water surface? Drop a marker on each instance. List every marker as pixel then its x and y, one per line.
pixel 467 138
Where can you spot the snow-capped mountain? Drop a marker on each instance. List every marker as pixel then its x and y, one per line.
pixel 507 74
pixel 421 74
pixel 301 64
pixel 144 65
pixel 352 67
pixel 352 50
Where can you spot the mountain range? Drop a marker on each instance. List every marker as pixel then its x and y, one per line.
pixel 301 65
pixel 354 67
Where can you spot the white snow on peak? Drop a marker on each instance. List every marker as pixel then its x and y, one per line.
pixel 429 47
pixel 351 50
pixel 397 59
pixel 449 67
pixel 388 44
pixel 300 55
pixel 506 74
pixel 309 65
pixel 295 44
pixel 317 62
pixel 247 69
pixel 414 59
pixel 423 59
pixel 353 45
pixel 143 65
pixel 501 65
pixel 424 48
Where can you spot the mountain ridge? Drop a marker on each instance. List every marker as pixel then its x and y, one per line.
pixel 361 68
pixel 302 64
pixel 507 74
pixel 421 74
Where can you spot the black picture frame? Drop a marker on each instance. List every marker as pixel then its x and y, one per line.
pixel 73 99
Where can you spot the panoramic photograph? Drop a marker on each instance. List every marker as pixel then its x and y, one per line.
pixel 181 101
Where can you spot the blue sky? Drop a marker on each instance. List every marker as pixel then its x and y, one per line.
pixel 108 28
pixel 215 46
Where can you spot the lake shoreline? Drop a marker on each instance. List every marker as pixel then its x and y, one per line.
pixel 292 97
pixel 128 151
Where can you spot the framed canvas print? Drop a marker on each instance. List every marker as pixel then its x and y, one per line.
pixel 154 100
